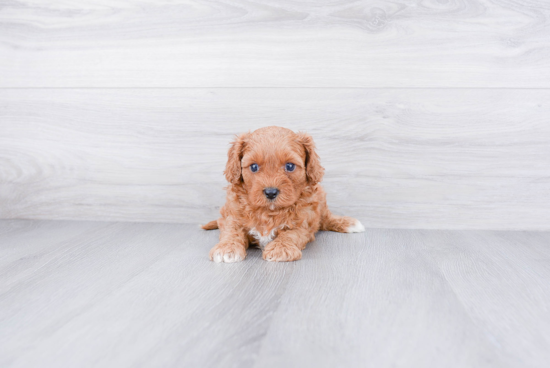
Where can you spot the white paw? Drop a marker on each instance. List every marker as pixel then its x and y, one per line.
pixel 356 228
pixel 228 257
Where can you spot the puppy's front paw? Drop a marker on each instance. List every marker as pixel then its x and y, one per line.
pixel 281 253
pixel 228 253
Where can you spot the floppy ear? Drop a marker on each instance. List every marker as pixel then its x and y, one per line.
pixel 234 156
pixel 314 170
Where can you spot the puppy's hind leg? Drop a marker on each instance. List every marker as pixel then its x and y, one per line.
pixel 212 225
pixel 340 224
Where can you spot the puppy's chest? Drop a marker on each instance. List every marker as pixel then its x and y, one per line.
pixel 263 238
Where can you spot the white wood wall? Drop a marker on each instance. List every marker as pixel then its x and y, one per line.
pixel 427 114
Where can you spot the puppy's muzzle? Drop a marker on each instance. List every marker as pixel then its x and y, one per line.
pixel 271 193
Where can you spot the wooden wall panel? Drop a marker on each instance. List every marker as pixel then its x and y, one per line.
pixel 284 43
pixel 413 158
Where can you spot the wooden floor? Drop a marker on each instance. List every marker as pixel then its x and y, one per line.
pixel 105 294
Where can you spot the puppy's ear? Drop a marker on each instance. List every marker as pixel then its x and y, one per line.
pixel 314 170
pixel 234 156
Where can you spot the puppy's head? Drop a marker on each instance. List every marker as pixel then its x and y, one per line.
pixel 273 165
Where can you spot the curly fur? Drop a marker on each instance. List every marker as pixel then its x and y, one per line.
pixel 283 226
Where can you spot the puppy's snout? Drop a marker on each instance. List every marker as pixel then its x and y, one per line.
pixel 271 193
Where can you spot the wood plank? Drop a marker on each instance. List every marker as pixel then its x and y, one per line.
pixel 410 298
pixel 399 43
pixel 393 158
pixel 20 257
pixel 159 283
pixel 135 294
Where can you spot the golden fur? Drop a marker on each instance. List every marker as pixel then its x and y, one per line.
pixel 282 226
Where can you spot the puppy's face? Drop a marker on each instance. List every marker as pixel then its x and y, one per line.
pixel 274 165
pixel 273 171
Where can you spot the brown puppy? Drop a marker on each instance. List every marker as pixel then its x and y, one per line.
pixel 274 199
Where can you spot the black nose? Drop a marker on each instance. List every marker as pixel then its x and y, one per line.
pixel 271 193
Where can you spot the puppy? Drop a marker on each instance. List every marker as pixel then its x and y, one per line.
pixel 274 199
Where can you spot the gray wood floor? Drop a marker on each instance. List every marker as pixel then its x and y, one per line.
pixel 105 294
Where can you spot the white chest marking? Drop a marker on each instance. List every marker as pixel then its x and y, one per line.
pixel 263 240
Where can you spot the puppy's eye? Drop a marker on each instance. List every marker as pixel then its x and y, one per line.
pixel 254 167
pixel 290 166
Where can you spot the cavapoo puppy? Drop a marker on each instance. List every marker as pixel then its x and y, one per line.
pixel 274 199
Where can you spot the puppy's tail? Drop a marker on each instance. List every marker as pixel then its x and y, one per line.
pixel 212 225
pixel 341 224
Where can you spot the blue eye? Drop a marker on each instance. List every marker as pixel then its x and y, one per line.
pixel 254 167
pixel 290 167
